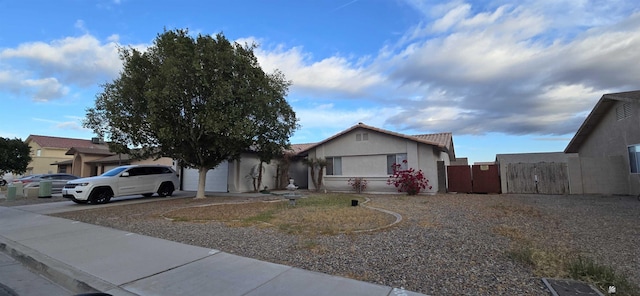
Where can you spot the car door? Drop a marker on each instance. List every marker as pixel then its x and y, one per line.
pixel 148 180
pixel 130 184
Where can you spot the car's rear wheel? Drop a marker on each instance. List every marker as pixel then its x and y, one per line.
pixel 166 189
pixel 3 182
pixel 101 195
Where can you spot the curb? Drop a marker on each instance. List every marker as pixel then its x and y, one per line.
pixel 62 274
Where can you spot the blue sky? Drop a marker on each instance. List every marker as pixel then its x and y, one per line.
pixel 503 76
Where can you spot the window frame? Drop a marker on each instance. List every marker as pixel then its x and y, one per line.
pixel 398 158
pixel 333 163
pixel 634 158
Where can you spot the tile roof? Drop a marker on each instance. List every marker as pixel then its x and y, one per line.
pixel 122 158
pixel 90 150
pixel 59 142
pixel 297 148
pixel 444 141
pixel 599 111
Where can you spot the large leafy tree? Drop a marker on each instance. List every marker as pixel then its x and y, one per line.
pixel 14 156
pixel 201 100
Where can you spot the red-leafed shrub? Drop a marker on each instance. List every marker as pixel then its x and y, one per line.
pixel 409 180
pixel 359 184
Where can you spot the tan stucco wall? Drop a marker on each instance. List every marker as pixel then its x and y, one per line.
pixel 604 154
pixel 42 164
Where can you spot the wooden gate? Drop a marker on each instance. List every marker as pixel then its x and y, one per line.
pixel 541 177
pixel 459 178
pixel 486 178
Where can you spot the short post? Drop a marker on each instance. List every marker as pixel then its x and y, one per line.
pixel 11 192
pixel 45 189
pixel 19 189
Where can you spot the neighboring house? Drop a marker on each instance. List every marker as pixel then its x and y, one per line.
pixel 46 150
pixel 368 152
pixel 83 158
pixel 94 162
pixel 238 175
pixel 608 147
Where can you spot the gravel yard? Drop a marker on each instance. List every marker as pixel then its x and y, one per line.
pixel 452 244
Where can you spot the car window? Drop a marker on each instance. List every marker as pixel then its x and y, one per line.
pixel 136 172
pixel 114 172
pixel 63 177
pixel 158 170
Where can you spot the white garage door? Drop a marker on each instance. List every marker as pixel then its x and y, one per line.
pixel 216 179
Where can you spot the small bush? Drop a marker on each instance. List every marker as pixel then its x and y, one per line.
pixel 409 180
pixel 359 184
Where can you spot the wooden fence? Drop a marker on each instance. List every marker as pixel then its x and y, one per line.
pixel 541 177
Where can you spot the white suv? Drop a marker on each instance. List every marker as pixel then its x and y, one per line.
pixel 121 181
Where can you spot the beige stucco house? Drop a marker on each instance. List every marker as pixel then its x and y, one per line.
pixel 368 152
pixel 608 147
pixel 47 151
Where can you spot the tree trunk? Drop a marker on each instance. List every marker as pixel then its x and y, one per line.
pixel 202 179
pixel 320 173
pixel 313 177
pixel 260 176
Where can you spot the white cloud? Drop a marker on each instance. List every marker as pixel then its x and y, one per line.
pixel 45 89
pixel 74 124
pixel 80 60
pixel 333 74
pixel 45 71
pixel 452 18
pixel 39 90
pixel 515 69
pixel 510 70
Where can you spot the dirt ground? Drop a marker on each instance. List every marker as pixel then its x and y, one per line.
pixel 449 243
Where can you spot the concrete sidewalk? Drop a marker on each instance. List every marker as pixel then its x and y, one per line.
pixel 88 258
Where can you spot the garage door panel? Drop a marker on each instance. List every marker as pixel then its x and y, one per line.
pixel 216 180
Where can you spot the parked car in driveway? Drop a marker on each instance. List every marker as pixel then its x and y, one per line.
pixel 57 181
pixel 122 181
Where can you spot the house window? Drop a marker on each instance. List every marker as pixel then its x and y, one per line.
pixel 334 166
pixel 634 158
pixel 396 159
pixel 358 137
pixel 62 169
pixel 623 111
pixel 39 152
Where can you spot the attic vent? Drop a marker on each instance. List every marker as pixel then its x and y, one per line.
pixel 623 111
pixel 362 137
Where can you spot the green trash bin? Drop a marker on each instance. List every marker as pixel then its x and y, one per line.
pixel 45 189
pixel 11 192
